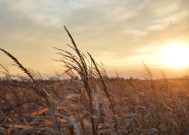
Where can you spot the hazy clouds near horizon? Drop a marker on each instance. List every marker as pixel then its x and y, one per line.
pixel 121 34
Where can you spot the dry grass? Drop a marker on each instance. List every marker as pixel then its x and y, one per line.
pixel 93 104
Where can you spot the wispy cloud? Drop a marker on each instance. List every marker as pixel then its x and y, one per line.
pixel 114 31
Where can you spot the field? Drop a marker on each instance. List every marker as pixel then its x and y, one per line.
pixel 91 103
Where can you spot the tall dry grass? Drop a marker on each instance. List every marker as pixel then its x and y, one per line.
pixel 91 103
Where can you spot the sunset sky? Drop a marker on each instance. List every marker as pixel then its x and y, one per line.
pixel 121 34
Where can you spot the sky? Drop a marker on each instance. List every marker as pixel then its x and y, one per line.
pixel 121 34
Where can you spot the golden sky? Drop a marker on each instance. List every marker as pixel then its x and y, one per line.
pixel 121 34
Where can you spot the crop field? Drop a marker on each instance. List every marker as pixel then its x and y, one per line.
pixel 91 103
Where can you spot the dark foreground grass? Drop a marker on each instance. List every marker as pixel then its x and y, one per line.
pixel 92 103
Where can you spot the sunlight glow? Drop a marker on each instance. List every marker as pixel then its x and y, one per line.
pixel 175 56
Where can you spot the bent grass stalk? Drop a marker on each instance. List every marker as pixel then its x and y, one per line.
pixel 84 105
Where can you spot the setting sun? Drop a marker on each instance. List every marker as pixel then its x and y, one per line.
pixel 175 56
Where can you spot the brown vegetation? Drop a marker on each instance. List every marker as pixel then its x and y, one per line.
pixel 92 103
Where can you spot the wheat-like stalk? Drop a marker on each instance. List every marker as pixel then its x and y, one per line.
pixel 18 64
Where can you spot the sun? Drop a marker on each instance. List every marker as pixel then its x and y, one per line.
pixel 175 55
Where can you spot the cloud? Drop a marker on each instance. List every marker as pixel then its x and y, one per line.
pixel 110 30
